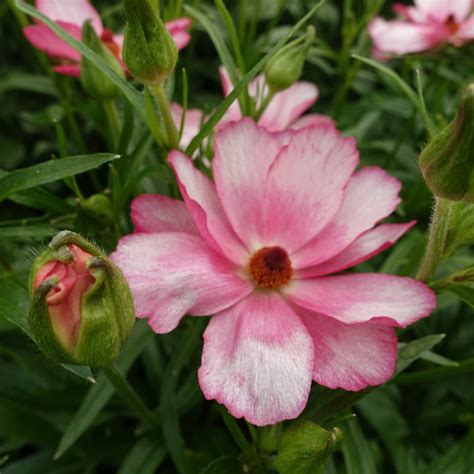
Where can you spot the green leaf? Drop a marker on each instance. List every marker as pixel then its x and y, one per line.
pixel 226 103
pixel 27 82
pixel 51 171
pixel 431 356
pixel 27 232
pixel 98 395
pixel 304 448
pixel 464 291
pixel 225 464
pixel 145 457
pixel 409 352
pixel 356 451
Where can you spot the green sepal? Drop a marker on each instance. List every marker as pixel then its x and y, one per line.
pixel 447 162
pixel 95 82
pixel 149 50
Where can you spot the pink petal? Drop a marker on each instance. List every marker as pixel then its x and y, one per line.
pixel 192 125
pixel 42 38
pixel 76 12
pixel 181 38
pixel 350 356
pixel 257 360
pixel 233 113
pixel 179 24
pixel 441 10
pixel 155 213
pixel 243 155
pixel 465 32
pixel 173 274
pixel 313 120
pixel 206 210
pixel 306 185
pixel 400 37
pixel 289 105
pixel 363 248
pixel 72 70
pixel 364 297
pixel 371 195
pixel 409 13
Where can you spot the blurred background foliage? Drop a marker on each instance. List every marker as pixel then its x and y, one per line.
pixel 422 422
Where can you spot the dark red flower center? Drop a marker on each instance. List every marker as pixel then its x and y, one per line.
pixel 452 24
pixel 270 267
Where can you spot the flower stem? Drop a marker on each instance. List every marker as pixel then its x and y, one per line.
pixel 438 230
pixel 235 431
pixel 113 120
pixel 170 127
pixel 130 396
pixel 264 105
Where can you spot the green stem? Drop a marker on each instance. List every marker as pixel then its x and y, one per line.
pixel 170 127
pixel 264 105
pixel 436 238
pixel 113 121
pixel 126 391
pixel 234 430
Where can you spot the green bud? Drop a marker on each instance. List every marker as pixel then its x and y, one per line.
pixel 149 51
pixel 98 206
pixel 286 67
pixel 95 82
pixel 82 310
pixel 447 162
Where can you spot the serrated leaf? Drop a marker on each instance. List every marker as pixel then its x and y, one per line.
pixel 50 171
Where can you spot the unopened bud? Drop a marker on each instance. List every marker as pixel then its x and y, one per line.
pixel 98 206
pixel 95 82
pixel 447 162
pixel 149 50
pixel 286 67
pixel 82 310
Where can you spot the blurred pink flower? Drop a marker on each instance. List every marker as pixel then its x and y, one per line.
pixel 71 15
pixel 426 25
pixel 256 248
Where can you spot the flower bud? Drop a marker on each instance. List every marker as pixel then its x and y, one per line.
pixel 447 162
pixel 95 82
pixel 286 67
pixel 82 310
pixel 149 51
pixel 99 206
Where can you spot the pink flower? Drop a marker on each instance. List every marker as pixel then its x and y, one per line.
pixel 65 299
pixel 256 248
pixel 71 15
pixel 426 25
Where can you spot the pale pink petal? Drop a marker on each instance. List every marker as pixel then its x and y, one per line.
pixel 313 119
pixel 181 38
pixel 409 13
pixel 242 158
pixel 257 360
pixel 465 32
pixel 155 213
pixel 350 356
pixel 76 12
pixel 289 105
pixel 192 124
pixel 371 195
pixel 201 198
pixel 72 70
pixel 42 38
pixel 173 274
pixel 364 247
pixel 400 37
pixel 441 10
pixel 233 113
pixel 179 24
pixel 118 39
pixel 306 185
pixel 364 297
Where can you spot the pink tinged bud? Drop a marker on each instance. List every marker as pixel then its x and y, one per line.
pixel 82 310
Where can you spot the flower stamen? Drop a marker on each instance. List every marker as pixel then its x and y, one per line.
pixel 270 267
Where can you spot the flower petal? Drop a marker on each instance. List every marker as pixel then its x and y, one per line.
pixel 233 113
pixel 371 194
pixel 289 105
pixel 313 119
pixel 350 356
pixel 243 155
pixel 153 213
pixel 305 185
pixel 257 360
pixel 192 124
pixel 441 10
pixel 42 38
pixel 401 37
pixel 465 32
pixel 205 208
pixel 363 248
pixel 72 70
pixel 173 274
pixel 76 12
pixel 364 297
